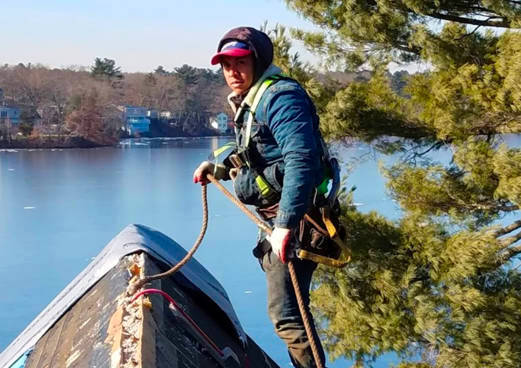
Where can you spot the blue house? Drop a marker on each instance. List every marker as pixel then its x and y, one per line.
pixel 136 120
pixel 10 115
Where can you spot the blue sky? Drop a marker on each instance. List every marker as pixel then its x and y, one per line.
pixel 138 35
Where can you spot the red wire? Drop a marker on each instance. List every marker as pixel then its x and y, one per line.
pixel 186 316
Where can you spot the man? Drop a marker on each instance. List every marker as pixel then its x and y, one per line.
pixel 277 168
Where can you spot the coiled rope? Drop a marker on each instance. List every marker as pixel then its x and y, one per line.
pixel 263 226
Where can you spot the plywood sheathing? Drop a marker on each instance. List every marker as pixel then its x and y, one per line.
pixel 76 340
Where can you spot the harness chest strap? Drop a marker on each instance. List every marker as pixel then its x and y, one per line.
pixel 264 187
pixel 261 182
pixel 224 148
pixel 258 95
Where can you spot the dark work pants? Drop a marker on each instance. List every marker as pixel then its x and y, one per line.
pixel 284 311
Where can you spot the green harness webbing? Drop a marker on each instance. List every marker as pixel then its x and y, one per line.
pixel 264 86
pixel 263 185
pixel 265 189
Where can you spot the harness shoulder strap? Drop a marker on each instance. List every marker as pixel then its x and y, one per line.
pixel 264 86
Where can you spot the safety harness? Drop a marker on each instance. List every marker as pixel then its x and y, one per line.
pixel 263 185
pixel 323 202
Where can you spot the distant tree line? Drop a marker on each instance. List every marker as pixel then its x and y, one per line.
pixel 86 103
pixel 83 102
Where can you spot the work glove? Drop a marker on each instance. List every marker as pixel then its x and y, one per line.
pixel 218 171
pixel 200 173
pixel 280 240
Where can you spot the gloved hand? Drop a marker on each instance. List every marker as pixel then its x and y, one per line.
pixel 280 240
pixel 204 168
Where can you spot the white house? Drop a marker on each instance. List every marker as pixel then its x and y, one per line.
pixel 152 114
pixel 166 115
pixel 220 122
pixel 136 120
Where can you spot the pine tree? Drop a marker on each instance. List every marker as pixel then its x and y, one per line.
pixel 106 70
pixel 441 283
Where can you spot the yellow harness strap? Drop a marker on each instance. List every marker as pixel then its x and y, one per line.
pixel 264 86
pixel 331 229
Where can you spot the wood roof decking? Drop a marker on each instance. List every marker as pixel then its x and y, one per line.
pixel 100 330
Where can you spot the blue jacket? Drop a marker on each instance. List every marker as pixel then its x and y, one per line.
pixel 285 144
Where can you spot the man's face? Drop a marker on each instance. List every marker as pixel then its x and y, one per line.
pixel 238 72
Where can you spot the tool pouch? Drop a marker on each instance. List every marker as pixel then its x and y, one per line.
pixel 322 237
pixel 316 239
pixel 312 239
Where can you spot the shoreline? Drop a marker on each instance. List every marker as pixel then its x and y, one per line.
pixel 78 142
pixel 50 143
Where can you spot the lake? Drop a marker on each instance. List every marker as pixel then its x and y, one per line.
pixel 59 208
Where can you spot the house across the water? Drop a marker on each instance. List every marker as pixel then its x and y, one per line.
pixel 10 115
pixel 136 120
pixel 220 122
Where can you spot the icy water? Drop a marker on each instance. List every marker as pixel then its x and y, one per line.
pixel 59 208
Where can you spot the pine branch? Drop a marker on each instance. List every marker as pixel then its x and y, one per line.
pixel 502 24
pixel 463 204
pixel 469 34
pixel 436 145
pixel 508 208
pixel 511 240
pixel 508 253
pixel 507 229
pixel 476 9
pixel 487 206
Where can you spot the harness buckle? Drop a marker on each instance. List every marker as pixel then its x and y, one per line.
pixel 236 161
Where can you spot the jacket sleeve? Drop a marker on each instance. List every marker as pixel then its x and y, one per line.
pixel 290 118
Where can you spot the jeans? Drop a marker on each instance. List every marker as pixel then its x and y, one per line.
pixel 283 307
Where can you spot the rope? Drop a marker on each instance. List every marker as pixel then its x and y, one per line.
pixel 291 267
pixel 304 314
pixel 263 226
pixel 138 284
